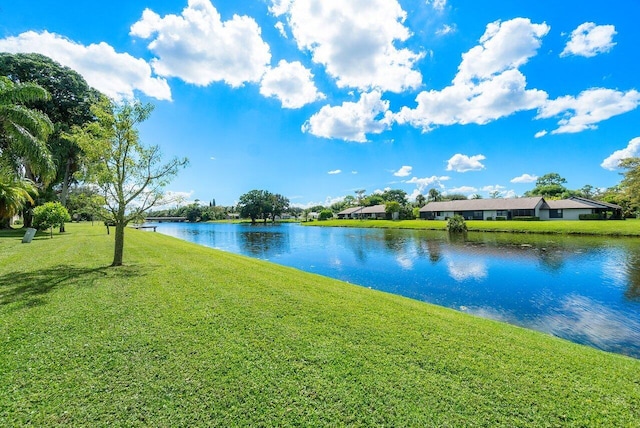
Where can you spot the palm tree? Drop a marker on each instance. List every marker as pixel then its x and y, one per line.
pixel 434 195
pixel 24 131
pixel 15 193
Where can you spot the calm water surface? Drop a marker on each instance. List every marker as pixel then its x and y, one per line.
pixel 586 290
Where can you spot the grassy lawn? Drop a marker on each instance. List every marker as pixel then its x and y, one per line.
pixel 185 335
pixel 630 227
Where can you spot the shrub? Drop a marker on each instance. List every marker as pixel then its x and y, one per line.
pixel 489 218
pixel 590 217
pixel 501 219
pixel 50 214
pixel 526 218
pixel 456 224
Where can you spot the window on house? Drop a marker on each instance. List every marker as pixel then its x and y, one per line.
pixel 555 213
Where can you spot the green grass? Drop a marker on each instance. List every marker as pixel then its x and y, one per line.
pixel 629 227
pixel 185 336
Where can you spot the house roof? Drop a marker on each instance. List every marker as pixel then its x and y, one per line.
pixel 484 204
pixel 349 210
pixel 577 203
pixel 375 209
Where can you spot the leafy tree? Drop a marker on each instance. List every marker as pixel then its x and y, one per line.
pixel 85 203
pixel 456 197
pixel 325 215
pixel 587 191
pixel 476 196
pixel 392 207
pixel 434 195
pixel 360 196
pixel 631 181
pixel 130 175
pixel 252 204
pixel 397 195
pixel 15 193
pixel 278 204
pixel 336 207
pixel 372 200
pixel 349 201
pixel 68 105
pixel 550 185
pixel 420 200
pixel 495 194
pixel 50 214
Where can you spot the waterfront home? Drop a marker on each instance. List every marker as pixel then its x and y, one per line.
pixel 378 212
pixel 507 209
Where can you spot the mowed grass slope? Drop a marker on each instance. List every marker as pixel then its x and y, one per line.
pixel 186 336
pixel 629 227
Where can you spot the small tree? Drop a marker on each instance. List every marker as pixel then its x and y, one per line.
pixel 50 214
pixel 325 215
pixel 129 174
pixel 391 208
pixel 456 224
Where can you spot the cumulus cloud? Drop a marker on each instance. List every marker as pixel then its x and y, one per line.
pixel 525 178
pixel 291 83
pixel 462 189
pixel 117 75
pixel 464 163
pixel 540 134
pixel 199 48
pixel 588 109
pixel 488 85
pixel 423 183
pixel 404 171
pixel 631 151
pixel 334 172
pixel 356 41
pixel 589 40
pixel 351 121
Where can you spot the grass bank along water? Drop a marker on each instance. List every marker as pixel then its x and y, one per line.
pixel 186 335
pixel 629 227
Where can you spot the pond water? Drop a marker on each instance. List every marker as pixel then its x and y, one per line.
pixel 584 289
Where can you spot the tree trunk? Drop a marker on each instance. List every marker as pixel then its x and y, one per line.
pixel 65 189
pixel 27 216
pixel 119 246
pixel 5 223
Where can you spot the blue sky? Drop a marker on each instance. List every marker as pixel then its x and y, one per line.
pixel 314 99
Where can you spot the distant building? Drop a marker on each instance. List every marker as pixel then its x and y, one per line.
pixel 378 212
pixel 508 209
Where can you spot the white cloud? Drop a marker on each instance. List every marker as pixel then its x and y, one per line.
pixel 588 109
pixel 438 5
pixel 351 121
pixel 199 48
pixel 462 189
pixel 488 85
pixel 354 172
pixel 173 198
pixel 423 183
pixel 632 150
pixel 404 171
pixel 589 40
pixel 280 27
pixel 540 134
pixel 291 83
pixel 464 163
pixel 496 188
pixel 525 178
pixel 356 41
pixel 446 29
pixel 329 200
pixel 461 270
pixel 117 75
pixel 334 172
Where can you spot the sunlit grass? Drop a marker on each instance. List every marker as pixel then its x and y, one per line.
pixel 185 335
pixel 629 227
